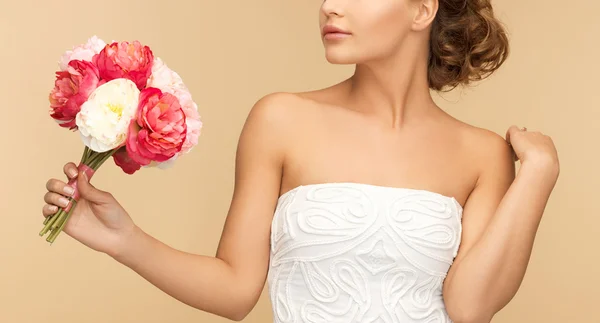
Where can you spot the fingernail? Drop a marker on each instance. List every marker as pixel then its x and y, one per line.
pixel 53 208
pixel 63 201
pixel 69 190
pixel 73 173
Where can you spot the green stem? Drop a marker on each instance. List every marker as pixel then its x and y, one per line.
pixel 96 160
pixel 58 230
pixel 90 159
pixel 52 236
pixel 51 221
pixel 61 218
pixel 105 158
pixel 84 156
pixel 57 221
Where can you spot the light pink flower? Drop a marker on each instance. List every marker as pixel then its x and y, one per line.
pixel 164 78
pixel 159 130
pixel 192 120
pixel 72 88
pixel 130 60
pixel 169 81
pixel 84 52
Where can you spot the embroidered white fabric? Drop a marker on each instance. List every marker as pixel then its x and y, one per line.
pixel 352 252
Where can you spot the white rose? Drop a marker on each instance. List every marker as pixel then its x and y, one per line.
pixel 84 52
pixel 104 118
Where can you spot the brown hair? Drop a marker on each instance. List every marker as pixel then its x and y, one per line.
pixel 467 43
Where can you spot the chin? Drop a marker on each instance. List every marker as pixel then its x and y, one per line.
pixel 340 56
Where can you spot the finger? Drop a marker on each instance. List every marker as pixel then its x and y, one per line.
pixel 59 187
pixel 509 136
pixel 70 169
pixel 515 157
pixel 510 132
pixel 89 192
pixel 56 199
pixel 49 210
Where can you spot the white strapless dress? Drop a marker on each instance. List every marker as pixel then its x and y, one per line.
pixel 351 252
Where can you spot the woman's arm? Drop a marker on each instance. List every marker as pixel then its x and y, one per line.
pixel 229 284
pixel 500 221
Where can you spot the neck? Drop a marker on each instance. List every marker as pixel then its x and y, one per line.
pixel 392 89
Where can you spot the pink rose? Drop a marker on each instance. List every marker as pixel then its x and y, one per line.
pixel 71 89
pixel 122 159
pixel 193 124
pixel 159 130
pixel 128 60
pixel 169 81
pixel 84 52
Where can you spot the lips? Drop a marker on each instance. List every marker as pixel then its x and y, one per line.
pixel 331 29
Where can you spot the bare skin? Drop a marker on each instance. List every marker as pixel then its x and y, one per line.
pixel 379 127
pixel 315 142
pixel 341 144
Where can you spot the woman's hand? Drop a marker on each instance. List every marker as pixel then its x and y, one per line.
pixel 534 148
pixel 501 218
pixel 98 220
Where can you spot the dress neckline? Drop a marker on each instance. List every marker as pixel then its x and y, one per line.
pixel 406 189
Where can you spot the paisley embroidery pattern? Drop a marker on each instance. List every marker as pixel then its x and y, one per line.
pixel 352 252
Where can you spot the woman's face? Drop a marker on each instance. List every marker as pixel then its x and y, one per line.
pixel 369 29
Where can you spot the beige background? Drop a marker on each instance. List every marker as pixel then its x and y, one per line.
pixel 230 53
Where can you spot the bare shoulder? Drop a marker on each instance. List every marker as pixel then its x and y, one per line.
pixel 271 115
pixel 282 113
pixel 492 154
pixel 488 142
pixel 275 106
pixel 271 124
pixel 279 110
pixel 298 109
pixel 279 98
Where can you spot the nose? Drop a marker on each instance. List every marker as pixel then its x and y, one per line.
pixel 333 7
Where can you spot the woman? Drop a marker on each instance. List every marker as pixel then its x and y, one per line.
pixel 363 201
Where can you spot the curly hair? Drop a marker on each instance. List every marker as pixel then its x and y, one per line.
pixel 467 43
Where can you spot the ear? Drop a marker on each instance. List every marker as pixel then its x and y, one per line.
pixel 425 12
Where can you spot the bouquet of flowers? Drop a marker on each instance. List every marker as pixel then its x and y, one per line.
pixel 126 104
